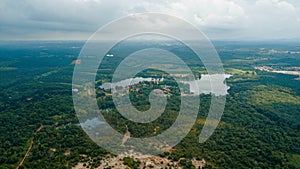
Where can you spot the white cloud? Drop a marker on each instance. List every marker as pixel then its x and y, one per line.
pixel 211 13
pixel 226 19
pixel 261 19
pixel 272 19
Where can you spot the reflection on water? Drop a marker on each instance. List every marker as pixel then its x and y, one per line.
pixel 199 86
pixel 88 124
pixel 125 83
pixel 196 87
pixel 95 126
pixel 204 85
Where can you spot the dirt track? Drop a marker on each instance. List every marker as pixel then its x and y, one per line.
pixel 30 146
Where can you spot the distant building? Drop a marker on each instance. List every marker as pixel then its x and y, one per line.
pixel 75 90
pixel 76 62
pixel 109 55
pixel 158 91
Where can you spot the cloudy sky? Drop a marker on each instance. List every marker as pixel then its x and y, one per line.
pixel 218 19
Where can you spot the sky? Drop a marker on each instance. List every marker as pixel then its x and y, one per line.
pixel 218 19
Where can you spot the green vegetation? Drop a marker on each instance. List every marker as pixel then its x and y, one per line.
pixel 260 127
pixel 131 163
pixel 262 94
pixel 234 71
pixel 294 159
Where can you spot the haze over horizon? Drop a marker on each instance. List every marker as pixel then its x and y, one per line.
pixel 218 19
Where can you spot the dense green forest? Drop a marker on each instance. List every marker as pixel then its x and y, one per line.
pixel 260 127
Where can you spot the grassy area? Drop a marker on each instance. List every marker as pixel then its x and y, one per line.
pixel 234 71
pixel 47 73
pixel 294 159
pixel 7 68
pixel 266 95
